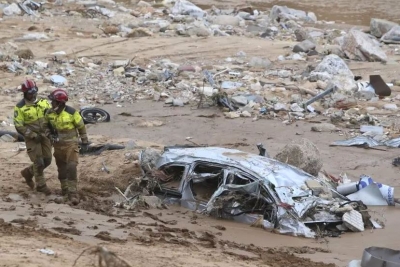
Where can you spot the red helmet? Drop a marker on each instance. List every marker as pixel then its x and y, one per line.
pixel 29 86
pixel 59 95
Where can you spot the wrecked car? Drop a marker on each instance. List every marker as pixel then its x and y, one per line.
pixel 245 187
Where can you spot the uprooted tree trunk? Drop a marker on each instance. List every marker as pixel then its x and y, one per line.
pixel 106 258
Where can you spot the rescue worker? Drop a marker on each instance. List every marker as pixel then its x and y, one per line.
pixel 29 121
pixel 66 125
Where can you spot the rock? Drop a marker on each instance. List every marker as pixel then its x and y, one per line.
pixel 152 202
pixel 304 46
pixel 24 53
pixel 257 62
pixel 119 71
pixel 334 70
pixel 302 154
pixel 279 107
pixel 169 101
pixel 12 9
pixel 301 35
pixel 226 20
pixel 119 63
pixel 160 24
pixel 390 107
pixel 232 115
pixel 359 46
pixel 111 30
pixel 139 32
pixel 198 28
pixel 321 85
pixel 392 36
pixel 240 100
pixel 143 4
pixel 284 13
pixel 184 7
pixel 246 114
pixel 178 103
pixel 379 27
pixel 296 108
pixel 284 73
pixel 324 127
pixel 312 16
pixel 335 50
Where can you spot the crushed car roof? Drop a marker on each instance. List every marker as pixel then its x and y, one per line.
pixel 277 173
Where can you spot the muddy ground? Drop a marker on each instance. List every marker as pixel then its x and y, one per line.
pixel 174 236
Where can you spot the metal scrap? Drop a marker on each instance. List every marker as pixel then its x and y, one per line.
pixel 245 187
pixel 367 141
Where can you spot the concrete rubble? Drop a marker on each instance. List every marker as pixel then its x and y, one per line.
pixel 244 86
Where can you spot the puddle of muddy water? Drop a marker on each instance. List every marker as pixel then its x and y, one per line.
pixel 357 12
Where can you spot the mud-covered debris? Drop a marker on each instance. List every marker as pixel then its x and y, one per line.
pixel 71 231
pixel 27 222
pixel 156 218
pixel 148 159
pixel 220 227
pixel 105 236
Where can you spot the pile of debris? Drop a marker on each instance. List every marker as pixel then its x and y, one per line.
pixel 246 86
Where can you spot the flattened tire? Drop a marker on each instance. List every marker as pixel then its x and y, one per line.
pixel 94 115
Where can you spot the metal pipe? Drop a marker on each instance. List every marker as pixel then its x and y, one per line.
pixel 319 96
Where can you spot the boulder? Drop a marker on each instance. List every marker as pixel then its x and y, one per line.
pixel 184 7
pixel 302 154
pixel 359 46
pixel 226 20
pixel 379 27
pixel 392 36
pixel 12 9
pixel 334 49
pixel 257 62
pixel 334 70
pixel 305 46
pixel 324 127
pixel 301 35
pixel 334 66
pixel 198 28
pixel 285 13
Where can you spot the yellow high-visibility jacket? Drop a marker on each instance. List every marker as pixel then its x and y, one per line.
pixel 29 117
pixel 68 124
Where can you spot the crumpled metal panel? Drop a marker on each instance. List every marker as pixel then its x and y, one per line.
pixel 265 169
pixel 393 143
pixel 378 256
pixel 358 141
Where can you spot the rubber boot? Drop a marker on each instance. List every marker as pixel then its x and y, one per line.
pixel 72 192
pixel 28 176
pixel 64 187
pixel 43 189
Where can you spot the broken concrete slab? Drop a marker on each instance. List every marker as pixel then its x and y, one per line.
pixel 359 46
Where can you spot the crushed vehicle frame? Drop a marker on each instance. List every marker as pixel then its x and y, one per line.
pixel 245 187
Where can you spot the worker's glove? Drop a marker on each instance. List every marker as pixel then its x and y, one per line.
pixel 84 147
pixel 37 138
